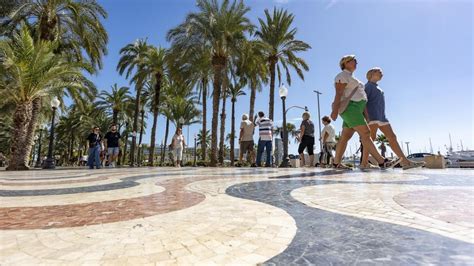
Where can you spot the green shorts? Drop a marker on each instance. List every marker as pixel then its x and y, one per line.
pixel 353 116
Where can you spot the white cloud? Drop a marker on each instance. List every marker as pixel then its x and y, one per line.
pixel 331 3
pixel 281 2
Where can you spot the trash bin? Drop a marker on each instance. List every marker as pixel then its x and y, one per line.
pixel 435 162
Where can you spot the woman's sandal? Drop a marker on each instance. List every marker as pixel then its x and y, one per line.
pixel 341 166
pixel 389 164
pixel 413 164
pixel 369 167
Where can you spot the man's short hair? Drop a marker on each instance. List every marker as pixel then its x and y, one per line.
pixel 261 114
pixel 326 119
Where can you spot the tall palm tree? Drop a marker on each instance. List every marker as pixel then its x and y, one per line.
pixel 218 28
pixel 235 91
pixel 277 34
pixel 74 25
pixel 133 60
pixel 195 64
pixel 30 70
pixel 252 70
pixel 155 70
pixel 225 95
pixel 117 100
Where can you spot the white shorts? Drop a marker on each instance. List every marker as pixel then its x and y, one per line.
pixel 178 154
pixel 379 123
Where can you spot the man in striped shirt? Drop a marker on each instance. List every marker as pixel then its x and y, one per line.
pixel 265 126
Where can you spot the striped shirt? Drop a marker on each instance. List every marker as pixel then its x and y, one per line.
pixel 265 126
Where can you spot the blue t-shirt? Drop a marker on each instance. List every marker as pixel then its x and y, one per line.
pixel 375 102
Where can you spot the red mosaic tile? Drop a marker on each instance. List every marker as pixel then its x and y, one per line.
pixel 449 205
pixel 175 197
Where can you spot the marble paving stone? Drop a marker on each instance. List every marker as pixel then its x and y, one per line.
pixel 241 216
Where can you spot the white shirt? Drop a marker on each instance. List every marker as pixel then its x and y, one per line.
pixel 347 77
pixel 248 128
pixel 178 141
pixel 331 133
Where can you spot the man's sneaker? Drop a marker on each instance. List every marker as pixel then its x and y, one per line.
pixel 413 164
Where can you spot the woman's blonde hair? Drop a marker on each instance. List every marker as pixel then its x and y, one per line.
pixel 306 115
pixel 345 59
pixel 372 71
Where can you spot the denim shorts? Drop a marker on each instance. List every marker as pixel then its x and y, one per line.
pixel 113 150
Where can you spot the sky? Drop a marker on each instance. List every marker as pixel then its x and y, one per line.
pixel 425 49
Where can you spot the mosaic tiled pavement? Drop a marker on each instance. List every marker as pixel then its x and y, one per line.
pixel 243 216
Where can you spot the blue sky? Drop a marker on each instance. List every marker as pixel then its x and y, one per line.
pixel 424 48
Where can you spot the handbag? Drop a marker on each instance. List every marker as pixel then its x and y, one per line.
pixel 345 101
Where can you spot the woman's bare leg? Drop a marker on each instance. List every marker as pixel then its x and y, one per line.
pixel 373 135
pixel 346 135
pixel 303 163
pixel 392 140
pixel 364 134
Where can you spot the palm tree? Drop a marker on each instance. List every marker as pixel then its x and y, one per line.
pixel 252 70
pixel 220 29
pixel 144 101
pixel 279 38
pixel 117 100
pixel 207 138
pixel 235 91
pixel 133 60
pixel 195 64
pixel 30 70
pixel 75 24
pixel 225 90
pixel 290 130
pixel 155 68
pixel 75 27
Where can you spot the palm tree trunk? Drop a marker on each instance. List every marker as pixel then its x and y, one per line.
pixel 204 118
pixel 165 144
pixel 142 125
pixel 232 135
pixel 114 116
pixel 19 150
pixel 135 126
pixel 222 131
pixel 218 66
pixel 156 104
pixel 253 95
pixel 271 104
pixel 124 155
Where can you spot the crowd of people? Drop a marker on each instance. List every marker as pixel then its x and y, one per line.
pixel 361 107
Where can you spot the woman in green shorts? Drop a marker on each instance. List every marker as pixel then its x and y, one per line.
pixel 347 86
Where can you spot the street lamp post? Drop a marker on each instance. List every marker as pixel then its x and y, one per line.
pixel 49 163
pixel 319 121
pixel 408 148
pixel 38 154
pixel 283 93
pixel 195 149
pixel 181 124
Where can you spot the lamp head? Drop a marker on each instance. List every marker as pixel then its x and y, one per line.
pixel 283 91
pixel 55 102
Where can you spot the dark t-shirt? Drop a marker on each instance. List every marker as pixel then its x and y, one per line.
pixel 112 139
pixel 94 139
